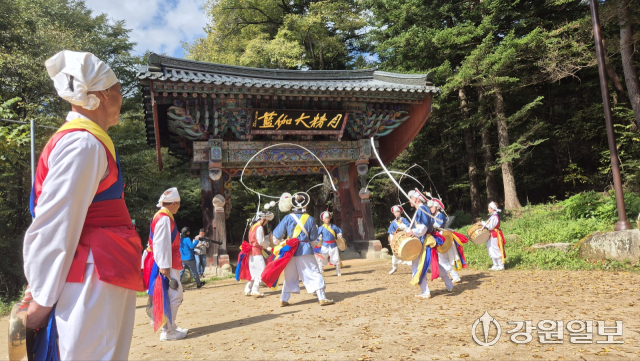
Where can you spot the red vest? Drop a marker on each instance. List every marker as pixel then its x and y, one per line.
pixel 107 231
pixel 176 261
pixel 256 249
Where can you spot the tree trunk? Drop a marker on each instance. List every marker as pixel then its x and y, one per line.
pixel 626 51
pixel 614 78
pixel 510 196
pixel 474 185
pixel 490 177
pixel 443 177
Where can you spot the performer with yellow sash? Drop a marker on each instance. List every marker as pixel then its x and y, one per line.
pixel 450 260
pixel 400 223
pixel 495 245
pixel 81 251
pixel 327 234
pixel 162 265
pixel 423 228
pixel 303 265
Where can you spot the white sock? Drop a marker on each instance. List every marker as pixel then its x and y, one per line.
pixel 285 296
pixel 321 295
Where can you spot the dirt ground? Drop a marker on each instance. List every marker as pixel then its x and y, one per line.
pixel 377 317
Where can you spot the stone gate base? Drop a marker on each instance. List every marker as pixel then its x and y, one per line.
pixel 368 249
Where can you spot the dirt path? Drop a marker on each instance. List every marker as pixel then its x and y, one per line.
pixel 376 317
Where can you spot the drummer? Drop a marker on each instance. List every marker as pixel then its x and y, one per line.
pixel 327 234
pixel 400 223
pixel 451 258
pixel 424 223
pixel 495 245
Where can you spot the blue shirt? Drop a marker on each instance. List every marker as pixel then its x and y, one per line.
pixel 327 236
pixel 186 248
pixel 441 220
pixel 423 217
pixel 394 225
pixel 285 229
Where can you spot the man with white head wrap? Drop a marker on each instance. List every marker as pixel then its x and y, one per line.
pixel 495 245
pixel 163 258
pixel 81 251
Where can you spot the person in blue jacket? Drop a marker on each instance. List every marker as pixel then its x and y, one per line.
pixel 327 234
pixel 187 254
pixel 400 223
pixel 303 265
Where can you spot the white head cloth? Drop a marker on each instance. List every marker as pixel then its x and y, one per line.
pixel 494 206
pixel 169 196
pixel 75 73
pixel 325 214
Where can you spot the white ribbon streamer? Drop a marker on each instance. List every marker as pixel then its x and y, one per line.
pixel 276 145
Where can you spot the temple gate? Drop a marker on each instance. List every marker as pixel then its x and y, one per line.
pixel 219 116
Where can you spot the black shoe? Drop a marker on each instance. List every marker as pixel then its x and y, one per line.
pixel 201 284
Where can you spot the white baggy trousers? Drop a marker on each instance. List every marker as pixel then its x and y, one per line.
pixel 95 319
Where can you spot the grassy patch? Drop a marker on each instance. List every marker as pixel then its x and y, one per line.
pixel 6 305
pixel 547 223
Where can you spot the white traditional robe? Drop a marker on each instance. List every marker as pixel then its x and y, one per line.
pixel 492 244
pixel 95 319
pixel 163 257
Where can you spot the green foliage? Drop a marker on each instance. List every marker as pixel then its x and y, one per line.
pixel 600 205
pixel 560 222
pixel 281 35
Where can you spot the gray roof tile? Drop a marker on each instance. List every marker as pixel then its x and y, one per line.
pixel 165 68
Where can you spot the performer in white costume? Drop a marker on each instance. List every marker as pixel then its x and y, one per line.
pixel 400 223
pixel 303 265
pixel 164 251
pixel 258 241
pixel 495 245
pixel 81 251
pixel 448 259
pixel 423 226
pixel 327 234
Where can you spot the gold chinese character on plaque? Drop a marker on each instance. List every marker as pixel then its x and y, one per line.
pixel 267 119
pixel 318 121
pixel 302 119
pixel 335 121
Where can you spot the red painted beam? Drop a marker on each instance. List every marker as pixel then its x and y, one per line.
pixel 156 129
pixel 393 144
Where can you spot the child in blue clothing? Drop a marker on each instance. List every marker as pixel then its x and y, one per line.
pixel 327 234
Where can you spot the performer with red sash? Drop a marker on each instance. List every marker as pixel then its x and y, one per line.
pixel 327 234
pixel 453 260
pixel 423 227
pixel 162 265
pixel 251 260
pixel 295 256
pixel 81 252
pixel 495 245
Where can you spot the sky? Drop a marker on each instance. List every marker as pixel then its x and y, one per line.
pixel 156 25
